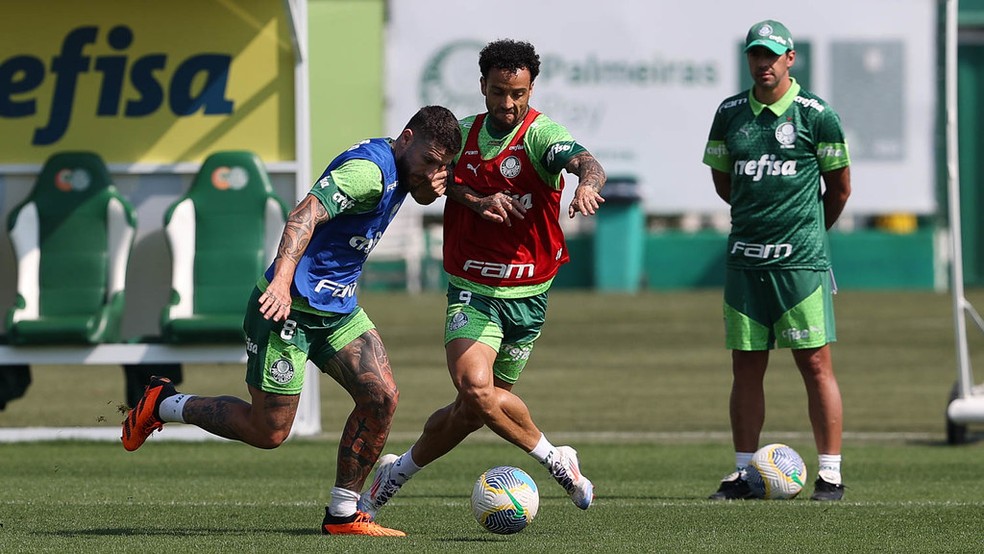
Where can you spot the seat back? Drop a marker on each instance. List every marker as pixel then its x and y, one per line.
pixel 72 238
pixel 222 234
pixel 404 243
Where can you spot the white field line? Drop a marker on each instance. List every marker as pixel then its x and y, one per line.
pixel 188 433
pixel 616 503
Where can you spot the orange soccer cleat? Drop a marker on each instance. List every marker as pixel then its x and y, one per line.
pixel 359 523
pixel 145 418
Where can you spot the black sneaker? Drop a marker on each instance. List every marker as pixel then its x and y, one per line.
pixel 824 490
pixel 733 487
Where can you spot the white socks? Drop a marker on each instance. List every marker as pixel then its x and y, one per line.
pixel 543 450
pixel 172 407
pixel 830 468
pixel 829 465
pixel 404 468
pixel 742 459
pixel 343 502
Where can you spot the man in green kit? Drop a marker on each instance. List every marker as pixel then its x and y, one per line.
pixel 768 149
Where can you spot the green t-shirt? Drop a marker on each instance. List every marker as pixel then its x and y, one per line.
pixel 775 155
pixel 353 187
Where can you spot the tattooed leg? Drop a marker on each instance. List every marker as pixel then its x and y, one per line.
pixel 362 368
pixel 264 424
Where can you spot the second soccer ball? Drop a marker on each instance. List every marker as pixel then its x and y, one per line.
pixel 776 472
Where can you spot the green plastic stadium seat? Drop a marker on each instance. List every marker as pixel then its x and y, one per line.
pixel 71 238
pixel 222 235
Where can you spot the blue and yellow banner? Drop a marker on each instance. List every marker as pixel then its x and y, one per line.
pixel 139 81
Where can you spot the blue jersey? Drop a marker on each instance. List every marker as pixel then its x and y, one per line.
pixel 327 272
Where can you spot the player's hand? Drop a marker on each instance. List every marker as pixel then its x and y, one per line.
pixel 586 201
pixel 429 190
pixel 275 302
pixel 441 180
pixel 501 208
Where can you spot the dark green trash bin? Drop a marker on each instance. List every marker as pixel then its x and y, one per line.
pixel 619 237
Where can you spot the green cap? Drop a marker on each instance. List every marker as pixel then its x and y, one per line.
pixel 770 34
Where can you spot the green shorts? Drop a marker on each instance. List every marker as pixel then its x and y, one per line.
pixel 509 326
pixel 276 352
pixel 784 308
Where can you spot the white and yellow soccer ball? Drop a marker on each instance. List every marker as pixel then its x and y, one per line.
pixel 505 500
pixel 776 472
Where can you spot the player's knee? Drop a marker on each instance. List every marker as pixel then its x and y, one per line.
pixel 380 401
pixel 478 400
pixel 271 439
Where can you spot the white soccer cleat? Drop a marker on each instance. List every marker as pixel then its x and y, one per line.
pixel 567 471
pixel 383 487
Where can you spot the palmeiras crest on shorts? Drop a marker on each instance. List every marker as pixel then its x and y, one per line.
pixel 282 371
pixel 510 167
pixel 458 321
pixel 786 134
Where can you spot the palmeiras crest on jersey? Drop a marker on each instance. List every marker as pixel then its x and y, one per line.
pixel 510 167
pixel 282 371
pixel 786 134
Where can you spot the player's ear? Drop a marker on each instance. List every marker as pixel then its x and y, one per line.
pixel 791 57
pixel 405 139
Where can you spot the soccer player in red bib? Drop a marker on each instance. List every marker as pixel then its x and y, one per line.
pixel 503 246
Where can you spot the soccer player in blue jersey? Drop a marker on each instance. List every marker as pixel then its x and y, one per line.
pixel 768 149
pixel 305 308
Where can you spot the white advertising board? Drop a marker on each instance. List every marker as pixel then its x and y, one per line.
pixel 637 81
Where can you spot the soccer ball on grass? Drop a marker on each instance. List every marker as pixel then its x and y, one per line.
pixel 505 500
pixel 776 472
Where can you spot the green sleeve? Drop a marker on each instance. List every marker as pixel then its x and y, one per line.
pixel 716 154
pixel 353 187
pixel 832 150
pixel 550 146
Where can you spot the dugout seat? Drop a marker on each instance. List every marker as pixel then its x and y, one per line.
pixel 402 244
pixel 71 238
pixel 222 234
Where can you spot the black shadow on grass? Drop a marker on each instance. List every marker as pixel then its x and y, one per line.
pixel 473 539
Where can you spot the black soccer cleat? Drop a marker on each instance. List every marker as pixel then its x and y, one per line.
pixel 733 487
pixel 824 490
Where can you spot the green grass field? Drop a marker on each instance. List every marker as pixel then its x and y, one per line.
pixel 638 384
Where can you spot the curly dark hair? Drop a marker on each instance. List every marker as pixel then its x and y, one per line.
pixel 437 124
pixel 511 55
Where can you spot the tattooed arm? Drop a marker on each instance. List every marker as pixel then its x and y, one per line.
pixel 309 213
pixel 498 207
pixel 591 177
